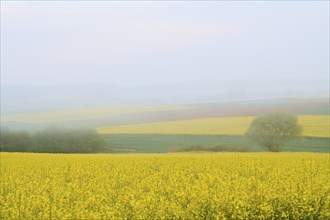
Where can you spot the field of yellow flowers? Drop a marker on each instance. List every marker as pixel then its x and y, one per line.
pixel 165 186
pixel 313 125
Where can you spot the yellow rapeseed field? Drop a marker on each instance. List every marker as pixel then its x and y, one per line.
pixel 313 125
pixel 165 186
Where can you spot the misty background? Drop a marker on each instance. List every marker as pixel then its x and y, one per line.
pixel 57 55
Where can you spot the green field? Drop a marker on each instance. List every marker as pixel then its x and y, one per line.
pixel 166 143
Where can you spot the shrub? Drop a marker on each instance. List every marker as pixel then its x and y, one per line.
pixel 53 140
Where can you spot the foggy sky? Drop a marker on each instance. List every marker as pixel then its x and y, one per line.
pixel 138 43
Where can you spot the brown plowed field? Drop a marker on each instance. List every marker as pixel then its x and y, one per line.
pixel 207 110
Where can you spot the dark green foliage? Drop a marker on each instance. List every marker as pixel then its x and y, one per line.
pixel 69 141
pixel 273 130
pixel 15 141
pixel 53 140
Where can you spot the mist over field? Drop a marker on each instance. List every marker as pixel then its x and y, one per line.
pixel 99 65
pixel 29 98
pixel 57 55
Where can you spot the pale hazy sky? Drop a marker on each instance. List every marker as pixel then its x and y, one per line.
pixel 128 43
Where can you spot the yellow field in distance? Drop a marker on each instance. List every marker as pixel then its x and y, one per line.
pixel 165 186
pixel 313 125
pixel 85 113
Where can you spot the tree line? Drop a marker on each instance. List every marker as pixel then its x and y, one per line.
pixel 52 140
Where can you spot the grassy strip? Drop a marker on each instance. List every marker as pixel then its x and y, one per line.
pixel 166 143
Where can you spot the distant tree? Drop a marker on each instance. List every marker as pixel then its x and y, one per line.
pixel 273 130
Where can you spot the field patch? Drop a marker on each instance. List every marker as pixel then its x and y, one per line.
pixel 127 115
pixel 86 113
pixel 313 125
pixel 202 126
pixel 168 143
